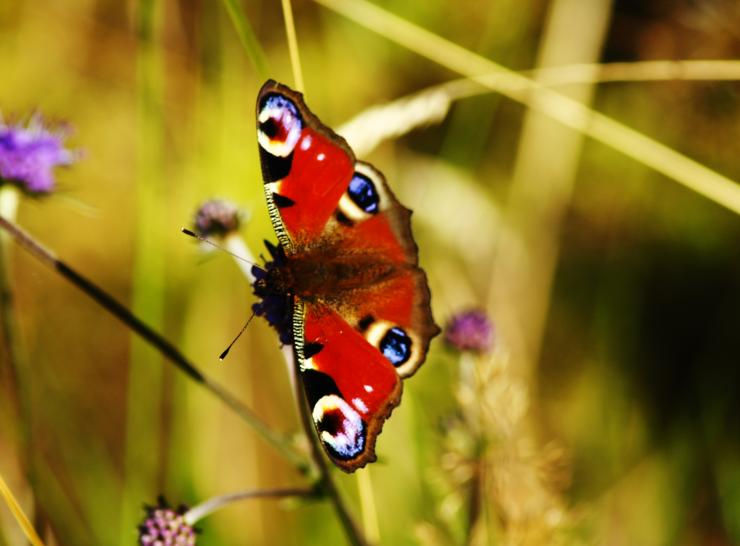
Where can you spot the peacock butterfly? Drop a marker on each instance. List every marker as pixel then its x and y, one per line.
pixel 343 286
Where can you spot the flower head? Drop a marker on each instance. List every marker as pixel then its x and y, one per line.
pixel 217 217
pixel 275 307
pixel 470 331
pixel 165 526
pixel 28 155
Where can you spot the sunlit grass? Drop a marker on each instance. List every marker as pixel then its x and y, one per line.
pixel 290 33
pixel 166 120
pixel 246 36
pixel 20 516
pixel 146 378
pixel 571 113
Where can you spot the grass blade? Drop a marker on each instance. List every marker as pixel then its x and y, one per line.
pixel 650 152
pixel 247 37
pixel 19 515
pixel 295 60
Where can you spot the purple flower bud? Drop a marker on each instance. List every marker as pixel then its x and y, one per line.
pixel 28 155
pixel 166 527
pixel 217 217
pixel 470 331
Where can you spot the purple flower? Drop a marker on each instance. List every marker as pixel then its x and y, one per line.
pixel 29 154
pixel 277 309
pixel 470 331
pixel 165 526
pixel 217 217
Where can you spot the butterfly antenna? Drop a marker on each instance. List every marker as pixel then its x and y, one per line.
pixel 226 351
pixel 194 235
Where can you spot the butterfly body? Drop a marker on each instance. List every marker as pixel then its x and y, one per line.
pixel 329 273
pixel 343 286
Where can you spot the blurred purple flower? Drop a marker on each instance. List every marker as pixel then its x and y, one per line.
pixel 29 154
pixel 165 526
pixel 469 331
pixel 217 217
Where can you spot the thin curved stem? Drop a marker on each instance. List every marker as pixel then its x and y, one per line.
pixel 295 60
pixel 638 71
pixel 246 36
pixel 19 515
pixel 430 106
pixel 368 510
pixel 205 508
pixel 8 207
pixel 8 328
pixel 354 535
pixel 323 483
pixel 18 395
pixel 168 350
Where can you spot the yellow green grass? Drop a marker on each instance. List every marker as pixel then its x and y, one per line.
pixel 604 416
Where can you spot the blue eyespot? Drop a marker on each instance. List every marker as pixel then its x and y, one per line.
pixel 363 193
pixel 278 103
pixel 396 346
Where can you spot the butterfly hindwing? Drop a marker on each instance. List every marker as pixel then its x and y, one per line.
pixel 362 322
pixel 351 388
pixel 396 308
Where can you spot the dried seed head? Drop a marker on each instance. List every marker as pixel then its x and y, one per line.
pixel 217 217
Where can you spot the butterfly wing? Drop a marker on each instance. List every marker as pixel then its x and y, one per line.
pixel 350 387
pixel 352 352
pixel 305 166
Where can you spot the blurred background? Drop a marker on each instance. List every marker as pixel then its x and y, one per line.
pixel 606 410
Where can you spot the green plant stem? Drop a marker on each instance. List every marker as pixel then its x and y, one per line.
pixel 246 36
pixel 469 388
pixel 637 71
pixel 20 517
pixel 295 59
pixel 326 483
pixel 169 351
pixel 368 510
pixel 18 397
pixel 8 207
pixel 476 496
pixel 147 384
pixel 430 106
pixel 198 512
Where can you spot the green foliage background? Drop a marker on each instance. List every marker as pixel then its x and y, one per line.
pixel 634 373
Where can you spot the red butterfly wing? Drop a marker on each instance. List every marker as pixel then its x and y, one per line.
pixel 362 317
pixel 303 163
pixel 348 408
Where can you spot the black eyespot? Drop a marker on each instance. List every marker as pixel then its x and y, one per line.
pixel 331 422
pixel 318 385
pixel 311 349
pixel 274 168
pixel 281 201
pixel 342 219
pixel 270 128
pixel 363 193
pixel 396 346
pixel 365 322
